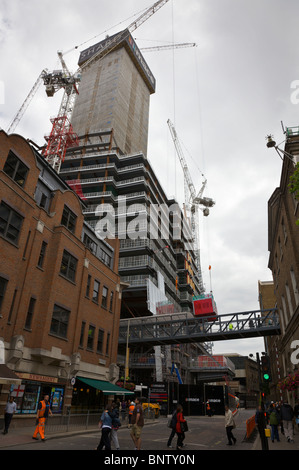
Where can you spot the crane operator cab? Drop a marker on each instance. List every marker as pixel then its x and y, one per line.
pixel 204 306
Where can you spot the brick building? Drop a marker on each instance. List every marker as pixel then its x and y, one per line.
pixel 283 243
pixel 60 291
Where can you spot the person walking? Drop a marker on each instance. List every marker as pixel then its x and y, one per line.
pixel 137 423
pixel 10 410
pixel 180 433
pixel 106 425
pixel 287 415
pixel 43 412
pixel 115 426
pixel 172 426
pixel 209 410
pixel 229 426
pixel 274 420
pixel 131 409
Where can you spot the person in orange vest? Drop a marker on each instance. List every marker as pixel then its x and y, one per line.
pixel 131 409
pixel 209 411
pixel 43 412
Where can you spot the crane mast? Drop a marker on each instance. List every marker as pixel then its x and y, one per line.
pixel 193 200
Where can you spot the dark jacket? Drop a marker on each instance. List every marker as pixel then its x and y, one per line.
pixel 286 412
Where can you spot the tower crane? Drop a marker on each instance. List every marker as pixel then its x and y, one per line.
pixel 194 201
pixel 26 103
pixel 62 135
pixel 168 46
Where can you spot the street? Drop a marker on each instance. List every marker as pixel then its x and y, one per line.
pixel 205 433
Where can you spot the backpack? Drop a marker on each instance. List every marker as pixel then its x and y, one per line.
pixel 273 418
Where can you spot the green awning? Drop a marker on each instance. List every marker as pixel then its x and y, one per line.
pixel 106 387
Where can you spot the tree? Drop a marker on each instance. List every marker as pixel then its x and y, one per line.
pixel 294 185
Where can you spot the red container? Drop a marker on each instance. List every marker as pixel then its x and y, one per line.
pixel 205 306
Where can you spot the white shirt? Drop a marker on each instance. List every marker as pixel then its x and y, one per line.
pixel 10 407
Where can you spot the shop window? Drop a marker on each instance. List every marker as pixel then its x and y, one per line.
pixel 68 266
pixel 60 321
pixel 10 223
pixel 16 169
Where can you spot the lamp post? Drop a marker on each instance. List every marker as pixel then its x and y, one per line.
pixel 261 417
pixel 272 144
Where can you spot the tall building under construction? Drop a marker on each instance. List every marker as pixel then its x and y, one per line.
pixel 115 93
pixel 110 171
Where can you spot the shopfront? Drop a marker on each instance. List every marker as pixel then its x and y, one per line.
pixel 33 388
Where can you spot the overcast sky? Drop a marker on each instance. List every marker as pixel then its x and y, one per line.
pixel 224 97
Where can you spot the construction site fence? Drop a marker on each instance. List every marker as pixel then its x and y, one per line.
pixel 79 422
pixel 250 426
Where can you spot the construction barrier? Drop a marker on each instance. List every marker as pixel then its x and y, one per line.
pixel 250 426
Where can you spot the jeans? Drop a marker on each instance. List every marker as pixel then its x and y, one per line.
pixel 105 439
pixel 274 432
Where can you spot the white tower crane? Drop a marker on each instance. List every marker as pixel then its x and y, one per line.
pixel 194 201
pixel 62 134
pixel 26 103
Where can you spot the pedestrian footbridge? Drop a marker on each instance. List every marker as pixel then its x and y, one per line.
pixel 184 327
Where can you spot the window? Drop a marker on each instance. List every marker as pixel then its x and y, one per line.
pixel 60 321
pixel 96 290
pixel 88 286
pixel 82 334
pixel 90 338
pixel 111 301
pixel 42 254
pixel 68 219
pixel 15 169
pixel 68 266
pixel 100 341
pixel 90 244
pixel 107 343
pixel 10 223
pixel 104 297
pixel 3 284
pixel 29 316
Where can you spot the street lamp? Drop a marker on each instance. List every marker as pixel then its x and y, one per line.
pixel 272 144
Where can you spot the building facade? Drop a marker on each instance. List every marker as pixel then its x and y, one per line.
pixel 283 243
pixel 60 292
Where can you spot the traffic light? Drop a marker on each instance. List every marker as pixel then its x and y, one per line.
pixel 266 369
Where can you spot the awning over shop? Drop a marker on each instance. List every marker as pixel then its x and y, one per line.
pixel 106 387
pixel 7 376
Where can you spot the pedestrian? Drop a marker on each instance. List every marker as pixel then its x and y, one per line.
pixel 287 415
pixel 178 428
pixel 10 410
pixel 274 420
pixel 209 410
pixel 43 412
pixel 106 425
pixel 131 409
pixel 172 426
pixel 137 423
pixel 115 425
pixel 229 426
pixel 123 410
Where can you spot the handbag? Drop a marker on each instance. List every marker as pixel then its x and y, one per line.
pixel 184 426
